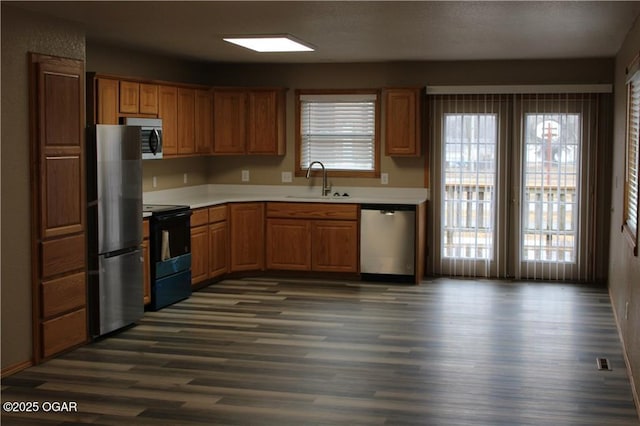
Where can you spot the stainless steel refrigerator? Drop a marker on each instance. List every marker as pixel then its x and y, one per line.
pixel 114 216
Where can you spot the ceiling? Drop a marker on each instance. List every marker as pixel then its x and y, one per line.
pixel 358 31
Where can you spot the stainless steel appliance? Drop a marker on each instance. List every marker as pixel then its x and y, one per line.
pixel 387 242
pixel 151 135
pixel 114 218
pixel 169 253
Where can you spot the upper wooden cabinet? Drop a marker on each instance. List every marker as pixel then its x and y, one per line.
pixel 204 122
pixel 138 98
pixel 249 121
pixel 402 122
pixel 103 101
pixel 168 112
pixel 186 121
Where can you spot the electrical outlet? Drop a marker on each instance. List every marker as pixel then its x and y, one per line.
pixel 384 178
pixel 286 177
pixel 245 175
pixel 154 182
pixel 184 178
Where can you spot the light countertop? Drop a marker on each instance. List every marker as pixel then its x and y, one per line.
pixel 211 195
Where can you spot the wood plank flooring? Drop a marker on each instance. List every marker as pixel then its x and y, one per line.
pixel 262 351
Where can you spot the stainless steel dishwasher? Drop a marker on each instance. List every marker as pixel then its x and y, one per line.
pixel 387 242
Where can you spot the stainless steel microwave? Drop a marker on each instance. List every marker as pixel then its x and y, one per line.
pixel 151 135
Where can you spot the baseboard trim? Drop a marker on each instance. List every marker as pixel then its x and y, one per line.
pixel 627 361
pixel 15 368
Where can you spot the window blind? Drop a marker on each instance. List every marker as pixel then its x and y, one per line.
pixel 633 132
pixel 338 130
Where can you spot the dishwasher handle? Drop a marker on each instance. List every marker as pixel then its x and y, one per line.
pixel 389 209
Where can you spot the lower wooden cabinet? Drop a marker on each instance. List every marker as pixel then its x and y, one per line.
pixel 209 244
pixel 312 237
pixel 246 235
pixel 335 246
pixel 288 244
pixel 199 254
pixel 218 249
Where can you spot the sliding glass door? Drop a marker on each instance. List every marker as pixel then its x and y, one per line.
pixel 510 176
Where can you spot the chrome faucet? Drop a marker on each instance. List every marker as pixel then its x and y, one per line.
pixel 326 189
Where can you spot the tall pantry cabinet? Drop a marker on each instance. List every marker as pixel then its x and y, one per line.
pixel 57 204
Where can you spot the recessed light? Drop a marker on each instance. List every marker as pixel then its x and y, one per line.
pixel 270 43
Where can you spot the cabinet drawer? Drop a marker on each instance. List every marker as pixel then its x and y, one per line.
pixel 217 214
pixel 63 294
pixel 63 255
pixel 199 217
pixel 145 229
pixel 313 210
pixel 64 332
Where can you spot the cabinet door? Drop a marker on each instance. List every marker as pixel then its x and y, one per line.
pixel 168 111
pixel 229 122
pixel 265 124
pixel 107 95
pixel 246 236
pixel 129 97
pixel 402 122
pixel 199 254
pixel 218 249
pixel 288 244
pixel 335 245
pixel 186 121
pixel 204 122
pixel 148 99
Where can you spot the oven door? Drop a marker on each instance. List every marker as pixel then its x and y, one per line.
pixel 171 245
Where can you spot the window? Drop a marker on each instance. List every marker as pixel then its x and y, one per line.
pixel 340 129
pixel 632 162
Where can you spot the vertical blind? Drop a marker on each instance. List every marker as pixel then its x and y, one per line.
pixel 338 130
pixel 633 132
pixel 513 178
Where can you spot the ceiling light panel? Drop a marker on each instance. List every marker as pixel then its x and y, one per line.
pixel 270 44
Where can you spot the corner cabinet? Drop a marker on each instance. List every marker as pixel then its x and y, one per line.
pixel 58 205
pixel 249 121
pixel 317 237
pixel 403 122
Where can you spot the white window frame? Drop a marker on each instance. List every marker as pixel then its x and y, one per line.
pixel 342 135
pixel 631 208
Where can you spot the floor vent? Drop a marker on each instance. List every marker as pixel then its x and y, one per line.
pixel 603 364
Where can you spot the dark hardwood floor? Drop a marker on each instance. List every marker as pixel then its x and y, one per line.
pixel 302 352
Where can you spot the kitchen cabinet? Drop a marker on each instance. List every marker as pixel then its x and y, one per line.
pixel 402 122
pixel 335 246
pixel 57 91
pixel 168 112
pixel 266 122
pixel 146 281
pixel 186 121
pixel 249 121
pixel 229 121
pixel 288 245
pixel 138 98
pixel 218 241
pixel 318 237
pixel 105 102
pixel 209 243
pixel 199 246
pixel 246 235
pixel 204 122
